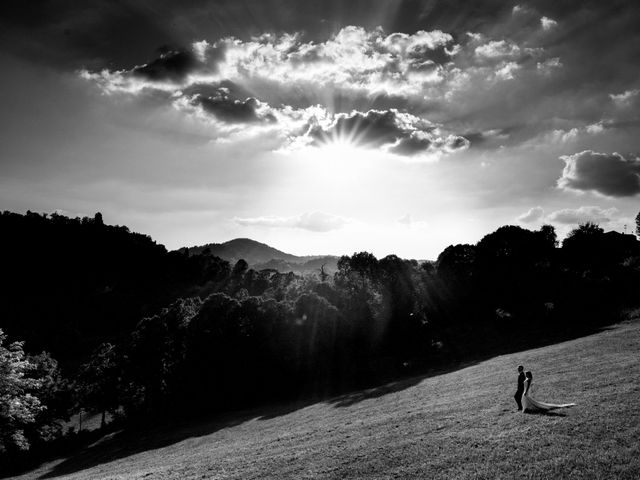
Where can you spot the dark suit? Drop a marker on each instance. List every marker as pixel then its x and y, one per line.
pixel 520 390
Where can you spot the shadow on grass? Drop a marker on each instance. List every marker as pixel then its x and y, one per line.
pixel 124 443
pixel 115 445
pixel 356 397
pixel 547 413
pixel 374 389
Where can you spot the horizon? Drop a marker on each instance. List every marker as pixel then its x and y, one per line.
pixel 320 254
pixel 323 128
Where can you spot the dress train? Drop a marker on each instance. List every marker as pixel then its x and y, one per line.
pixel 530 404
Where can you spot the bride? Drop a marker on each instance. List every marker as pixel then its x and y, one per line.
pixel 530 404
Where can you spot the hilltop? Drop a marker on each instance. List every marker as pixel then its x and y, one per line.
pixel 456 424
pixel 260 256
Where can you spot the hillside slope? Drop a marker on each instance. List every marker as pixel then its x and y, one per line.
pixel 460 424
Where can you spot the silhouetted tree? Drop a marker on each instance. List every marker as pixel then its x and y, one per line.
pixel 69 285
pixel 584 230
pixel 583 245
pixel 456 264
pixel 548 232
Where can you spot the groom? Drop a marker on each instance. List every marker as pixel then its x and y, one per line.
pixel 520 390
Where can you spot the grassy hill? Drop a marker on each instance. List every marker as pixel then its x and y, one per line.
pixel 457 424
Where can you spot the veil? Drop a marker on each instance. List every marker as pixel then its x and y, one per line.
pixel 531 404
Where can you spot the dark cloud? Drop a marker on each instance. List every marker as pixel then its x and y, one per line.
pixel 401 133
pixel 374 128
pixel 419 142
pixel 411 145
pixel 225 87
pixel 230 110
pixel 69 35
pixel 171 65
pixel 609 174
pixel 456 142
pixel 490 138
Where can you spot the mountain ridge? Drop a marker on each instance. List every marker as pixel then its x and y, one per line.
pixel 260 256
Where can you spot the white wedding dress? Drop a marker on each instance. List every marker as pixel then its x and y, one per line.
pixel 530 404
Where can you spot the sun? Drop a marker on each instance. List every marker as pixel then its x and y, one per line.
pixel 338 164
pixel 344 145
pixel 344 149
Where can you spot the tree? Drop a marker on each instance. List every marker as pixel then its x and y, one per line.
pixel 55 392
pixel 586 229
pixel 98 381
pixel 240 268
pixel 363 265
pixel 18 404
pixel 548 232
pixel 456 263
pixel 638 225
pixel 583 241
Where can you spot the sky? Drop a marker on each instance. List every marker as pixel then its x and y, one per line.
pixel 323 127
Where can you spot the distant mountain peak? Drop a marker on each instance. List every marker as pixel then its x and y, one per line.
pixel 260 255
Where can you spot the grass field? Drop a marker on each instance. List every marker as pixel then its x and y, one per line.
pixel 461 424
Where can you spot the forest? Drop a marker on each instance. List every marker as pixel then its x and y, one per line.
pixel 97 318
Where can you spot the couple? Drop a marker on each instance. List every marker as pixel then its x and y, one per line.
pixel 526 403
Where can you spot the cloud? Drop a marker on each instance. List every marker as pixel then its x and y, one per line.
pixel 596 128
pixel 625 99
pixel 374 128
pixel 422 66
pixel 570 216
pixel 273 79
pixel 314 221
pixel 564 136
pixel 354 59
pixel 400 133
pixel 549 65
pixel 498 49
pixel 460 83
pixel 506 70
pixel 548 23
pixel 533 215
pixel 408 221
pixel 609 174
pixel 583 215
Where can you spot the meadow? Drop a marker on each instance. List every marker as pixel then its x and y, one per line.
pixel 458 424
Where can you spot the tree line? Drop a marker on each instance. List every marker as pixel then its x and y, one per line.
pixel 140 333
